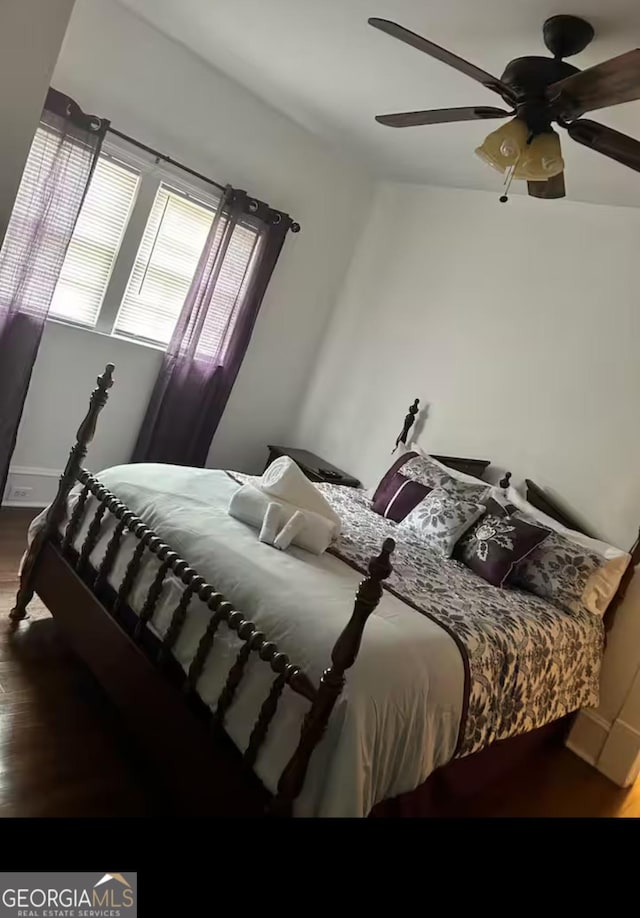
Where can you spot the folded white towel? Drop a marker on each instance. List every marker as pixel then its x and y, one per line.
pixel 271 523
pixel 250 505
pixel 292 528
pixel 286 481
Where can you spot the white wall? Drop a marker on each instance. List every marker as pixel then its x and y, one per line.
pixel 31 33
pixel 154 89
pixel 518 324
pixel 64 375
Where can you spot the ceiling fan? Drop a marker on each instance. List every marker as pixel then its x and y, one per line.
pixel 540 90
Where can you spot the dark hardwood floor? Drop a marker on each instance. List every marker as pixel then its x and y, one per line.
pixel 62 752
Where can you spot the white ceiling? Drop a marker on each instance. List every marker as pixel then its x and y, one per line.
pixel 320 63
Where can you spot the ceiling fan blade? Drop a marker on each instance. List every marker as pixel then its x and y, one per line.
pixel 551 189
pixel 621 147
pixel 441 115
pixel 441 54
pixel 610 83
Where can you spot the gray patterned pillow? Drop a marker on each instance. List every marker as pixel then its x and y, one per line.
pixel 440 520
pixel 424 470
pixel 557 570
pixel 464 490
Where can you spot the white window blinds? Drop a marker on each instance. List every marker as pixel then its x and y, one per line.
pixel 95 242
pixel 171 246
pixel 232 282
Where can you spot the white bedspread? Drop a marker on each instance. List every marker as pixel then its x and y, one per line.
pixel 399 715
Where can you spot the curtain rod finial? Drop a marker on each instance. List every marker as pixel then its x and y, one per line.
pixel 295 227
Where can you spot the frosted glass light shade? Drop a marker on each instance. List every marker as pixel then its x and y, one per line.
pixel 541 159
pixel 502 147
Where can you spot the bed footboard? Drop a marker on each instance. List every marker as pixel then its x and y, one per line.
pixel 135 667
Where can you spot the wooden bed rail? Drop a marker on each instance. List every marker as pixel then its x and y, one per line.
pixel 254 643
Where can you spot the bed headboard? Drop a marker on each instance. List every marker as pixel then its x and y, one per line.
pixel 545 504
pixel 475 467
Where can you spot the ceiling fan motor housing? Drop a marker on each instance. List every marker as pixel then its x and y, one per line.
pixel 529 77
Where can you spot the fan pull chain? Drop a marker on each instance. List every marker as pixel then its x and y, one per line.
pixel 511 172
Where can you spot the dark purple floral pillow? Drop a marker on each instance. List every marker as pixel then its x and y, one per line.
pixel 396 496
pixel 497 542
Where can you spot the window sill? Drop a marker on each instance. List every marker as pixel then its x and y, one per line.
pixel 56 320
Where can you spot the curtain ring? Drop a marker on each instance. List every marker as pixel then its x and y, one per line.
pixel 253 207
pixel 277 218
pixel 95 124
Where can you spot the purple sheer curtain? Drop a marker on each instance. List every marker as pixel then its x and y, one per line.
pixel 53 186
pixel 213 331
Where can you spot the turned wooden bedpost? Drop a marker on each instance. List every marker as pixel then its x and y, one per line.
pixel 408 424
pixel 68 479
pixel 343 656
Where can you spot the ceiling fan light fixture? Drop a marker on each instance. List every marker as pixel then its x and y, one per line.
pixel 541 159
pixel 502 148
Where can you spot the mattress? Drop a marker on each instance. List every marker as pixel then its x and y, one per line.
pixel 448 663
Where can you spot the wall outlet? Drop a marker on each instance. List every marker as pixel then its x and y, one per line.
pixel 19 493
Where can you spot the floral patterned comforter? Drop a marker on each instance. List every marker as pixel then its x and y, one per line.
pixel 527 662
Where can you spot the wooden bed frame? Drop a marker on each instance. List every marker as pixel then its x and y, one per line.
pixel 195 765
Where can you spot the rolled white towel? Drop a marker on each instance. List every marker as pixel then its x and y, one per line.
pixel 286 481
pixel 271 523
pixel 250 505
pixel 292 528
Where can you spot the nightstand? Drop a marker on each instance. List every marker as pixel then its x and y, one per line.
pixel 314 467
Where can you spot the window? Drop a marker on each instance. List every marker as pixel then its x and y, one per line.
pixel 95 243
pixel 173 240
pixel 135 249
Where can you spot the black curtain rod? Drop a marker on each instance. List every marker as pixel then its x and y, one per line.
pixel 166 159
pixel 295 227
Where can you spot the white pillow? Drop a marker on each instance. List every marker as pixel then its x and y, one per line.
pixel 604 549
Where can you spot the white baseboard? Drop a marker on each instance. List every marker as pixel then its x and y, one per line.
pixel 614 749
pixel 28 486
pixel 620 757
pixel 588 736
